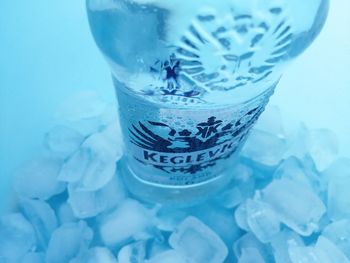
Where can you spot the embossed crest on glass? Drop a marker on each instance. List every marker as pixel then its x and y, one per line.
pixel 191 78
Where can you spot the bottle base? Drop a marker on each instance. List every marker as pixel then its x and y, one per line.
pixel 179 196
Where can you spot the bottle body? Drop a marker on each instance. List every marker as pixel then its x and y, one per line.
pixel 191 79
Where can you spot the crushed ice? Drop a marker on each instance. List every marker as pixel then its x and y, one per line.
pixel 288 201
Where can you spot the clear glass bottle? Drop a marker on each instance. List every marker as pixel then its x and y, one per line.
pixel 191 78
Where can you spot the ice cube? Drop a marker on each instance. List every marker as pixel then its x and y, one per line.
pixel 16 239
pixel 217 219
pixel 169 217
pixel 87 204
pixel 101 5
pixel 328 252
pixel 38 179
pixel 198 242
pixel 271 121
pixel 96 255
pixel 133 253
pixel 241 187
pixel 339 233
pixel 249 242
pixel 68 241
pixel 281 242
pixel 128 220
pixel 293 169
pixel 42 218
pixel 305 255
pixel 323 252
pixel 169 256
pixel 33 257
pixel 65 214
pixel 63 141
pixel 323 147
pixel 338 189
pixel 262 220
pixel 241 217
pixel 264 148
pixel 295 205
pixel 297 143
pixel 83 112
pixel 93 165
pixel 251 255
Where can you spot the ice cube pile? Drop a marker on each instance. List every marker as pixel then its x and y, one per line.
pixel 288 202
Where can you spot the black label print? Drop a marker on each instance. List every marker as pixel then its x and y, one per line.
pixel 189 151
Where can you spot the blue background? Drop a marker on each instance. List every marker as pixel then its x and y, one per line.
pixel 47 54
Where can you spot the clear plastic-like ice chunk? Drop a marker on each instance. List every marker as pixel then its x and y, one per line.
pixel 338 189
pixel 323 252
pixel 262 220
pixel 241 215
pixel 17 237
pixel 198 242
pixel 323 147
pixel 129 219
pixel 42 218
pixel 87 204
pixel 339 233
pixel 304 255
pixel 271 121
pixel 68 241
pixel 292 169
pixel 133 253
pixel 96 255
pixel 281 243
pixel 297 142
pixel 93 165
pixel 329 252
pixel 241 187
pixel 63 141
pixel 251 255
pixel 249 242
pixel 83 112
pixel 265 148
pixel 170 256
pixel 33 257
pixel 217 219
pixel 65 214
pixel 38 179
pixel 295 205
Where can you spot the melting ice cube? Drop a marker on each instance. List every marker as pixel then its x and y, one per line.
pixel 339 233
pixel 42 218
pixel 128 220
pixel 295 205
pixel 95 255
pixel 17 237
pixel 323 147
pixel 170 256
pixel 34 257
pixel 68 241
pixel 338 189
pixel 38 179
pixel 262 220
pixel 63 141
pixel 93 165
pixel 87 204
pixel 265 148
pixel 198 242
pixel 133 253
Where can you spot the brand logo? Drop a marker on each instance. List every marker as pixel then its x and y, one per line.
pixel 189 150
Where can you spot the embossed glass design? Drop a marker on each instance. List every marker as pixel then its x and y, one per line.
pixel 191 78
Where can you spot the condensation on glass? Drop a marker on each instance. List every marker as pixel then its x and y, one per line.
pixel 191 78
